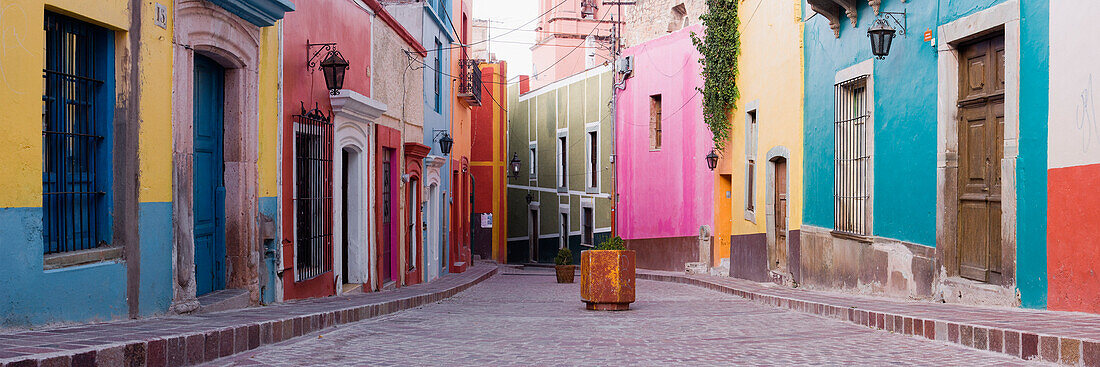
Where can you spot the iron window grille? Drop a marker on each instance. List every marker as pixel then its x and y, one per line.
pixel 75 135
pixel 313 193
pixel 852 158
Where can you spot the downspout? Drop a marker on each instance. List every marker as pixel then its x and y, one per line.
pixel 126 178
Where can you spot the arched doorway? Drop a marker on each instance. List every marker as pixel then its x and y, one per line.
pixel 434 224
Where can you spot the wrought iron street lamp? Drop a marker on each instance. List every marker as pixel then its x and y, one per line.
pixel 445 143
pixel 515 166
pixel 712 160
pixel 334 65
pixel 882 33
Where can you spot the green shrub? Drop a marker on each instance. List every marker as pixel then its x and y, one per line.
pixel 613 243
pixel 565 257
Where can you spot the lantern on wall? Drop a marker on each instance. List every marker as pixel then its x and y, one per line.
pixel 882 33
pixel 334 65
pixel 445 143
pixel 712 160
pixel 514 165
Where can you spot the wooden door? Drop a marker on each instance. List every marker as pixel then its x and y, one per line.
pixel 389 266
pixel 780 213
pixel 981 147
pixel 533 237
pixel 209 187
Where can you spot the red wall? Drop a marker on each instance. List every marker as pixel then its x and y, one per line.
pixel 318 21
pixel 1073 254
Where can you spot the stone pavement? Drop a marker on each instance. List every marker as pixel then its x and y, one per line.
pixel 522 317
pixel 189 340
pixel 1068 338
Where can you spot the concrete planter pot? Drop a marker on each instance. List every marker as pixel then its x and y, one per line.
pixel 565 273
pixel 607 279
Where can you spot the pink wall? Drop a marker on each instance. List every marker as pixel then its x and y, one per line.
pixel 666 193
pixel 324 21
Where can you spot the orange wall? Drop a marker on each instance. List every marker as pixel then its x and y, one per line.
pixel 491 155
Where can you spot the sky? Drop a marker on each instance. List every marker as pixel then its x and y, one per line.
pixel 505 15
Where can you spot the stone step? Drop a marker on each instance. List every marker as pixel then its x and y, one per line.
pixel 223 300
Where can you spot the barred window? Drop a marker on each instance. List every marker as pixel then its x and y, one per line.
pixel 852 155
pixel 76 157
pixel 655 122
pixel 313 193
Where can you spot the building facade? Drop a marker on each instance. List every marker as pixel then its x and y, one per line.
pixel 913 198
pixel 466 89
pixel 758 186
pixel 352 158
pixel 563 195
pixel 99 215
pixel 491 165
pixel 659 135
pixel 571 36
pixel 431 22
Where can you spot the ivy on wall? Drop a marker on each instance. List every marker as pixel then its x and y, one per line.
pixel 719 48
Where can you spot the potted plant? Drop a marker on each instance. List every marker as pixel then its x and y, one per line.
pixel 607 276
pixel 563 263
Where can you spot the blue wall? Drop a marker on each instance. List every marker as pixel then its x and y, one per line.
pixel 905 95
pixel 155 233
pixel 31 296
pixel 437 26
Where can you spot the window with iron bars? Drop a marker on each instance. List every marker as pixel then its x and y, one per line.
pixel 852 157
pixel 313 194
pixel 76 151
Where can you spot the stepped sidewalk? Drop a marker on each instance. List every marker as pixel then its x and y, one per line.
pixel 190 340
pixel 1067 338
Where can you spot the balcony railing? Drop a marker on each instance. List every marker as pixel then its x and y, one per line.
pixel 469 86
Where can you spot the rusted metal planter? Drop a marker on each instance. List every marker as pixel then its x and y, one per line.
pixel 607 279
pixel 565 273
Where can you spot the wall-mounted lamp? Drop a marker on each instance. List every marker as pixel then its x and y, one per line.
pixel 445 141
pixel 333 66
pixel 712 160
pixel 514 164
pixel 530 198
pixel 882 34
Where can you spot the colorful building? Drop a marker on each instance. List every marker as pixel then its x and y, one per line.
pixel 491 165
pixel 926 172
pixel 759 176
pixel 430 21
pixel 563 196
pixel 466 87
pixel 352 157
pixel 1072 203
pixel 659 133
pixel 104 163
pixel 571 36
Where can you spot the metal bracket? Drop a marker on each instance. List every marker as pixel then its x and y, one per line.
pixel 321 47
pixel 902 24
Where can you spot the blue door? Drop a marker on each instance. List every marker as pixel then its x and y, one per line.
pixel 209 195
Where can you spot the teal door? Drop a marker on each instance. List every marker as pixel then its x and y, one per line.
pixel 209 195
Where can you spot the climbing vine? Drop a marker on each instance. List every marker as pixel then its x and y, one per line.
pixel 719 48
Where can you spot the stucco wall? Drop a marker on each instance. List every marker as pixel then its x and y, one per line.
pixel 649 19
pixel 569 105
pixel 905 122
pixel 1074 159
pixel 665 192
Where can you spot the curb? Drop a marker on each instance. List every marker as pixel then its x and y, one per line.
pixel 198 347
pixel 1025 345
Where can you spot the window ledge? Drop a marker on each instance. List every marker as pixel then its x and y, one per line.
pixel 563 190
pixel 82 257
pixel 592 190
pixel 852 236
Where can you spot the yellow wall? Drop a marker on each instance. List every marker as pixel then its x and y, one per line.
pixel 270 100
pixel 22 58
pixel 773 76
pixel 155 137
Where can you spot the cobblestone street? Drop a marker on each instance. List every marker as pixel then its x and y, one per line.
pixel 525 318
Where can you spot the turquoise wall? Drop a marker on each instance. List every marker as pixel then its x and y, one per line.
pixel 30 295
pixel 905 87
pixel 1031 166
